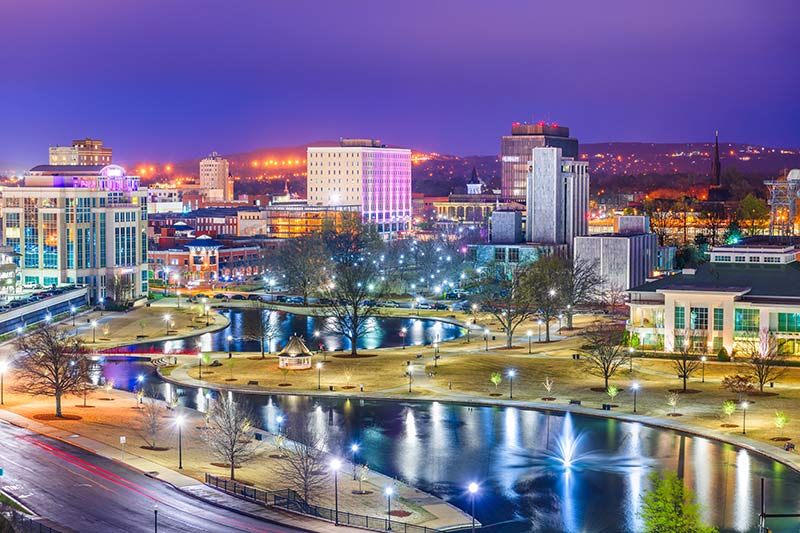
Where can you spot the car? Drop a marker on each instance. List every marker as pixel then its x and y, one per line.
pixel 424 305
pixel 440 307
pixel 254 297
pixel 294 300
pixel 220 296
pixel 201 295
pixel 238 297
pixel 282 298
pixel 393 305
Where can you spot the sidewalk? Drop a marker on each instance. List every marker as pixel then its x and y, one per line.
pixel 181 482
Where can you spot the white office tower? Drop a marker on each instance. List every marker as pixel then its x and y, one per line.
pixel 215 179
pixel 557 198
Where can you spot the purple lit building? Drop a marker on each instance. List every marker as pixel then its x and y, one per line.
pixel 367 175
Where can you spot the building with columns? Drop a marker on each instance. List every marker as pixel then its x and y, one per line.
pixel 744 291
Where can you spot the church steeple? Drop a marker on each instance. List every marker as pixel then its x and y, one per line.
pixel 715 165
pixel 474 185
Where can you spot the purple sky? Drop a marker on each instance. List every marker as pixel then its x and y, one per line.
pixel 174 79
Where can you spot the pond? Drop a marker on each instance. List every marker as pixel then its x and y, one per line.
pixel 538 471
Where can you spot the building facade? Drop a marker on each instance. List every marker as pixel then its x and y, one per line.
pixel 744 292
pixel 558 197
pixel 366 174
pixel 79 224
pixel 215 177
pixel 622 261
pixel 84 152
pixel 516 151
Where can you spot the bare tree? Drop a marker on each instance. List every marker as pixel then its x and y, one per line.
pixel 605 350
pixel 506 295
pixel 151 421
pixel 546 283
pixel 685 363
pixel 229 434
pixel 304 466
pixel 613 297
pixel 352 299
pixel 260 329
pixel 764 359
pixel 580 285
pixel 50 362
pixel 304 263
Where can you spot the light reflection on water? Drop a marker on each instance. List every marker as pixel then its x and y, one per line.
pixel 441 447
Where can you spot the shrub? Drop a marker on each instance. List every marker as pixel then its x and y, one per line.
pixel 722 355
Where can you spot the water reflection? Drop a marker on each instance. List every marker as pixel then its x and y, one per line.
pixel 590 478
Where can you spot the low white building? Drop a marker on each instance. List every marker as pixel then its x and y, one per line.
pixel 745 290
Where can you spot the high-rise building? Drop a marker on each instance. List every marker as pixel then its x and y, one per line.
pixel 79 224
pixel 558 197
pixel 215 177
pixel 516 152
pixel 366 174
pixel 82 152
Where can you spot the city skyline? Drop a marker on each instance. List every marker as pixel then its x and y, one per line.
pixel 182 84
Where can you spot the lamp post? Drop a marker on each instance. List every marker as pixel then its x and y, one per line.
pixel 179 422
pixel 473 489
pixel 474 314
pixel 388 491
pixel 167 319
pixel 486 338
pixel 279 420
pixel 3 368
pixel 403 332
pixel 703 369
pixel 207 308
pixel 744 417
pixel 354 451
pixel 409 373
pixel 511 374
pixel 630 358
pixel 635 387
pixel 72 312
pixel 336 464
pixel 94 331
pixel 530 336
pixel 140 392
pixel 319 376
pixel 200 366
pixel 102 302
pixel 155 519
pixel 540 329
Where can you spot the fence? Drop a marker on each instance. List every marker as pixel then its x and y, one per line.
pixel 22 523
pixel 290 500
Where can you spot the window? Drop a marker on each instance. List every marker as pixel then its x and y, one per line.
pixel 717 345
pixel 719 313
pixel 740 259
pixel 772 259
pixel 745 319
pixel 680 317
pixel 789 322
pixel 722 258
pixel 698 318
pixel 513 255
pixel 755 259
pixel 500 255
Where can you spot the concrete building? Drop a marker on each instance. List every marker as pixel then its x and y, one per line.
pixel 744 291
pixel 558 197
pixel 623 261
pixel 366 174
pixel 509 256
pixel 79 224
pixel 82 152
pixel 215 177
pixel 507 227
pixel 516 151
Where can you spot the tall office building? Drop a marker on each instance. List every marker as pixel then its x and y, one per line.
pixel 366 174
pixel 516 152
pixel 82 224
pixel 557 197
pixel 82 152
pixel 215 177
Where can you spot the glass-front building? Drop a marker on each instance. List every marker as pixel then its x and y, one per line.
pixel 83 225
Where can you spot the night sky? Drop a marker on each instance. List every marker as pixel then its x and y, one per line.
pixel 169 80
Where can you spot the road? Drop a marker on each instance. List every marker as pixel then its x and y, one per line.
pixel 88 493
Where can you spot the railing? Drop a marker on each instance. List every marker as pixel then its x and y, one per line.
pixel 22 523
pixel 290 500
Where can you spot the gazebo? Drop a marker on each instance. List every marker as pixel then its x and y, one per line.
pixel 295 355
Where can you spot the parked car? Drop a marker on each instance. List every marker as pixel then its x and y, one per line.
pixel 440 307
pixel 424 305
pixel 201 295
pixel 254 297
pixel 393 305
pixel 238 297
pixel 294 300
pixel 220 296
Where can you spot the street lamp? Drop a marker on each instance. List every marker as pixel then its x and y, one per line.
pixel 279 420
pixel 511 374
pixel 354 450
pixel 94 331
pixel 530 335
pixel 179 422
pixel 140 393
pixel 635 387
pixel 703 369
pixel 207 308
pixel 319 376
pixel 48 318
pixel 102 302
pixel 388 491
pixel 167 319
pixel 336 464
pixel 540 329
pixel 744 417
pixel 3 369
pixel 403 332
pixel 486 338
pixel 410 374
pixel 473 489
pixel 200 366
pixel 630 358
pixel 230 340
pixel 72 312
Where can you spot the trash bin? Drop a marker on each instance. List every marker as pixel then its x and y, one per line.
pixel 330 388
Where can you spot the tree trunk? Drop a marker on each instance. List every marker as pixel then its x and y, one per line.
pixel 58 404
pixel 684 382
pixel 509 338
pixel 263 356
pixel 547 330
pixel 569 320
pixel 353 347
pixel 606 379
pixel 232 467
